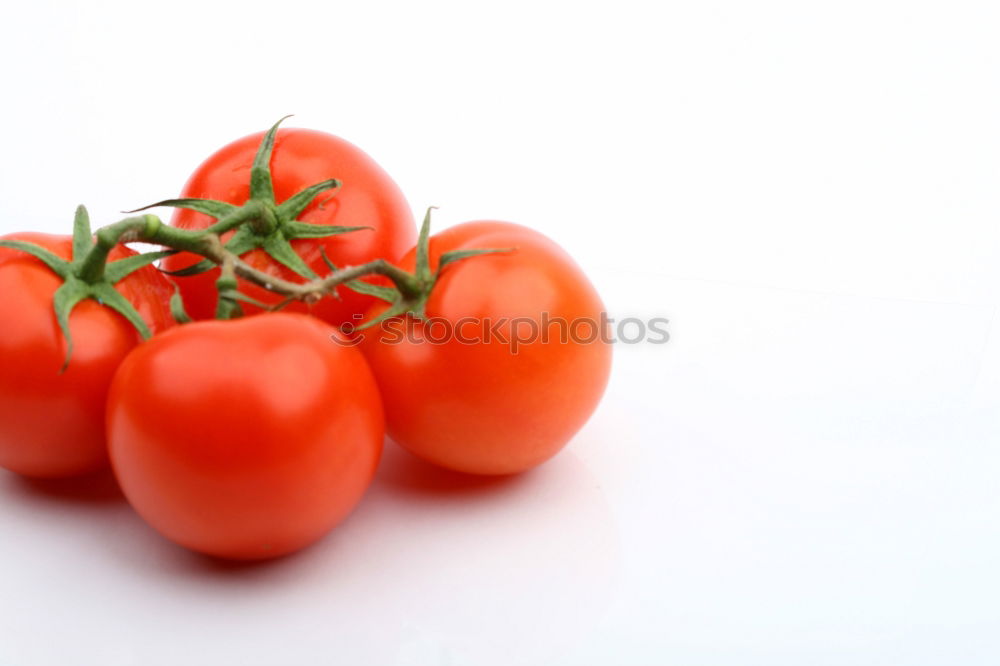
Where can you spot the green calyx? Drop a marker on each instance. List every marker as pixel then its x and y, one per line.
pixel 262 222
pixel 88 274
pixel 411 291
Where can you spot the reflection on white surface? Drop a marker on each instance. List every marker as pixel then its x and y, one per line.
pixel 433 566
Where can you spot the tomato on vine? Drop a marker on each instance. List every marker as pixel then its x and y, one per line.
pixel 308 198
pixel 245 439
pixel 491 365
pixel 65 325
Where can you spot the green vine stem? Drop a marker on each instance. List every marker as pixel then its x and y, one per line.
pixel 260 222
pixel 150 229
pixel 90 274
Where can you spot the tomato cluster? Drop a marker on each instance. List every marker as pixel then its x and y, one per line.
pixel 241 392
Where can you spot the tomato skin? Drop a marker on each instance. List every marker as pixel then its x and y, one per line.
pixel 302 157
pixel 52 424
pixel 245 439
pixel 481 408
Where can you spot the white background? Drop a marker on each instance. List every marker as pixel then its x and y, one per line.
pixel 805 474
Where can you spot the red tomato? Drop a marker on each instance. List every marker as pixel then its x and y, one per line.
pixel 245 439
pixel 52 424
pixel 302 157
pixel 455 390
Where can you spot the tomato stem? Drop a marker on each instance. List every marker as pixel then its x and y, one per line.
pixel 227 285
pixel 150 229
